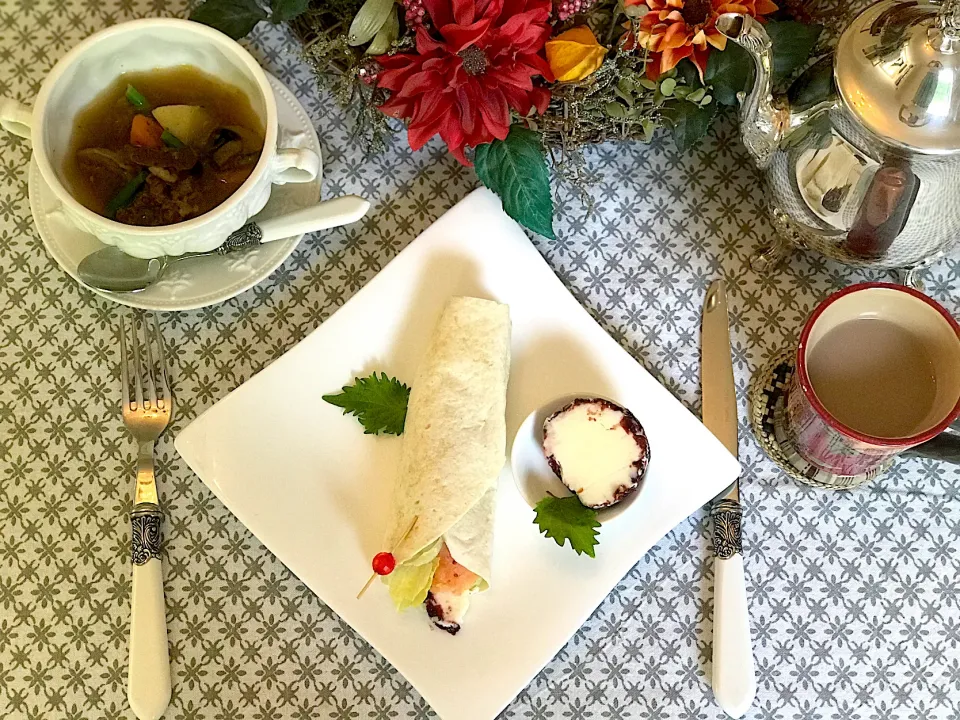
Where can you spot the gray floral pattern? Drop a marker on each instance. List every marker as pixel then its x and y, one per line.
pixel 855 597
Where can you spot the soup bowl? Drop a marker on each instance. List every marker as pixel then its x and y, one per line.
pixel 143 45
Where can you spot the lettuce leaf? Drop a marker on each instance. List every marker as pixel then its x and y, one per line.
pixel 411 580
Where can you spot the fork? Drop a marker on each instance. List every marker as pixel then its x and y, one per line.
pixel 146 416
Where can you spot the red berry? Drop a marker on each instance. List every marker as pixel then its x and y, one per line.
pixel 384 563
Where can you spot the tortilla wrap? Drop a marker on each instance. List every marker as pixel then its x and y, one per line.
pixel 454 437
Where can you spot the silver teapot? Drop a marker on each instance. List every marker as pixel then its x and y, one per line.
pixel 862 162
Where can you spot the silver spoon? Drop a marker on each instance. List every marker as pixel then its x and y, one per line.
pixel 112 269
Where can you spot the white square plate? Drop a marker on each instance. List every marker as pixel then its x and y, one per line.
pixel 314 489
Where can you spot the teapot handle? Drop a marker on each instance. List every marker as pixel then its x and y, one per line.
pixel 15 118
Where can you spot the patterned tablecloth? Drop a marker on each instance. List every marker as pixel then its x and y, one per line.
pixel 855 597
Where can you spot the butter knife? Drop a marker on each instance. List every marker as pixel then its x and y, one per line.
pixel 734 681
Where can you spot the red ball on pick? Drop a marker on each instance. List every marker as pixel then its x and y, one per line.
pixel 384 563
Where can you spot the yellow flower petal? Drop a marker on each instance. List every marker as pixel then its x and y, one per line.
pixel 575 54
pixel 580 34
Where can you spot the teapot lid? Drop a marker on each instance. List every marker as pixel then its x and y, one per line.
pixel 897 67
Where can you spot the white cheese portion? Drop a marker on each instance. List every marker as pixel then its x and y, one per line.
pixel 595 453
pixel 452 607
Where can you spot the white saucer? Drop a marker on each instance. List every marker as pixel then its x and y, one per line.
pixel 205 281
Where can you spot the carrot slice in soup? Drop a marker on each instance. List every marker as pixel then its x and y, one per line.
pixel 145 132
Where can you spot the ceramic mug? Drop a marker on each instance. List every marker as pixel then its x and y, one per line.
pixel 143 45
pixel 842 455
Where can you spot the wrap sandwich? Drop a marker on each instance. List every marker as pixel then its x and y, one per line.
pixel 454 442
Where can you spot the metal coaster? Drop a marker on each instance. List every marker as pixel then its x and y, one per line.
pixel 768 394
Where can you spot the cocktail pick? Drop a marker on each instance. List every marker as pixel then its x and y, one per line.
pixel 389 555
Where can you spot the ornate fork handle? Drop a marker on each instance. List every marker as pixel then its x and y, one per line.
pixel 149 674
pixel 146 414
pixel 146 536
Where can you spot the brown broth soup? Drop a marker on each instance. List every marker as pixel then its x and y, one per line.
pixel 146 175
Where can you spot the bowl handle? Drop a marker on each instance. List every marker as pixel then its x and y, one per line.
pixel 295 165
pixel 15 118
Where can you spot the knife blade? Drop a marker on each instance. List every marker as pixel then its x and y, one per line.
pixel 734 681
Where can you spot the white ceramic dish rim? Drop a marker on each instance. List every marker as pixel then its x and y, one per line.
pixel 292 530
pixel 215 36
pixel 212 298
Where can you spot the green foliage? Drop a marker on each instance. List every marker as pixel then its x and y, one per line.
pixel 237 18
pixel 380 403
pixel 815 85
pixel 689 122
pixel 792 44
pixel 688 73
pixel 286 10
pixel 515 169
pixel 732 70
pixel 729 72
pixel 567 519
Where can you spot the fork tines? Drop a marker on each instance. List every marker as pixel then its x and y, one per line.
pixel 148 367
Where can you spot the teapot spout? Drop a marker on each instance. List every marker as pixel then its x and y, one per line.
pixel 762 123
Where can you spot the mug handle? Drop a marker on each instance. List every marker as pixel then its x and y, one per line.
pixel 945 446
pixel 295 165
pixel 15 118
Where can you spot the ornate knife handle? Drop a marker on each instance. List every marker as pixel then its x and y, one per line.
pixel 734 680
pixel 727 515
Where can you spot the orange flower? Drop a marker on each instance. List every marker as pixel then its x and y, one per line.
pixel 676 29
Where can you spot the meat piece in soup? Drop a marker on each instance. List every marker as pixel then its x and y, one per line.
pixel 161 147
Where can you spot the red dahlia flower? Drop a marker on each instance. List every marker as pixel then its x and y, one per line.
pixel 476 64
